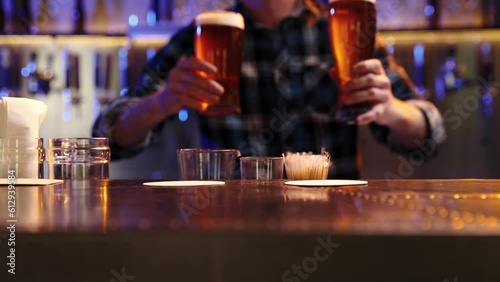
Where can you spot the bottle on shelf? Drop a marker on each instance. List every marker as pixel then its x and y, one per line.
pixel 4 72
pixel 169 9
pixel 491 13
pixel 44 19
pixel 393 15
pixel 21 18
pixel 73 71
pixel 46 76
pixel 79 18
pixel 31 75
pixel 460 14
pixel 72 90
pixel 100 18
pixel 117 20
pixel 432 13
pixel 2 18
pixel 14 66
pixel 103 70
pixel 153 13
pixel 37 80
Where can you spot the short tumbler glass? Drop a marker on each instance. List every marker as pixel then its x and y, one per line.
pixel 261 168
pixel 21 157
pixel 78 158
pixel 206 164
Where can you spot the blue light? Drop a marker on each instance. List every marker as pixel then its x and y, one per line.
pixel 133 20
pixel 150 53
pixel 31 66
pixel 332 11
pixel 4 92
pixel 123 62
pixel 25 72
pixel 151 18
pixel 198 30
pixel 183 115
pixel 439 89
pixel 68 105
pixel 390 48
pixel 488 108
pixel 418 58
pixel 123 91
pixel 485 48
pixel 487 99
pixel 123 52
pixel 429 10
pixel 418 55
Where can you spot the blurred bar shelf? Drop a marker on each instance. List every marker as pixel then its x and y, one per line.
pixel 83 40
pixel 159 38
pixel 442 36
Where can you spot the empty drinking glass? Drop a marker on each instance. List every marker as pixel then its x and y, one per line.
pixel 206 164
pixel 21 157
pixel 78 158
pixel 261 168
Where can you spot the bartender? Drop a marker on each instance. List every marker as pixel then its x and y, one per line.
pixel 288 97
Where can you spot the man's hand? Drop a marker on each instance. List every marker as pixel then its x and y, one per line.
pixel 371 84
pixel 189 85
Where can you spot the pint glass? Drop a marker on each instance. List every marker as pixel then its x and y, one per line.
pixel 352 27
pixel 219 40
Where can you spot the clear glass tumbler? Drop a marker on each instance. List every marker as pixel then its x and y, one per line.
pixel 21 157
pixel 261 168
pixel 207 164
pixel 78 158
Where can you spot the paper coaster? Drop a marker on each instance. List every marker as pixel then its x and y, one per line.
pixel 327 182
pixel 30 181
pixel 186 183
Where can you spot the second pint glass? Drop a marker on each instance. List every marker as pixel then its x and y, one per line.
pixel 219 40
pixel 352 27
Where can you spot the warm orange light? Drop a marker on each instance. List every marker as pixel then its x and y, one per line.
pixel 204 105
pixel 458 224
pixel 103 195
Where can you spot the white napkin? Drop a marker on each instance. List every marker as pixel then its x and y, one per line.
pixel 21 117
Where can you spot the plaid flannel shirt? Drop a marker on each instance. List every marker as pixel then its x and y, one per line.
pixel 288 99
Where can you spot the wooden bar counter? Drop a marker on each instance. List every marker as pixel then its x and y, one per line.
pixel 387 230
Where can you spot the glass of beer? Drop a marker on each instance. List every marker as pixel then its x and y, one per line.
pixel 219 40
pixel 352 28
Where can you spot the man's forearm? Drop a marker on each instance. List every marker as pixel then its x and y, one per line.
pixel 136 119
pixel 409 125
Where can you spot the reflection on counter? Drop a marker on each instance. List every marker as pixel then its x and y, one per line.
pixel 61 207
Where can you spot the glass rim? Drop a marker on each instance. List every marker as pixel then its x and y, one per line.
pixel 80 141
pixel 261 158
pixel 203 150
pixel 21 138
pixel 220 17
pixel 24 141
pixel 79 138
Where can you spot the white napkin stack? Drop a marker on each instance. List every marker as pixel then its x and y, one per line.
pixel 21 117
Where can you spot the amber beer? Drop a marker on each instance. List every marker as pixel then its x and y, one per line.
pixel 219 40
pixel 352 26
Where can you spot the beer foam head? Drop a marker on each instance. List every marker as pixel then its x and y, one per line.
pixel 221 18
pixel 371 1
